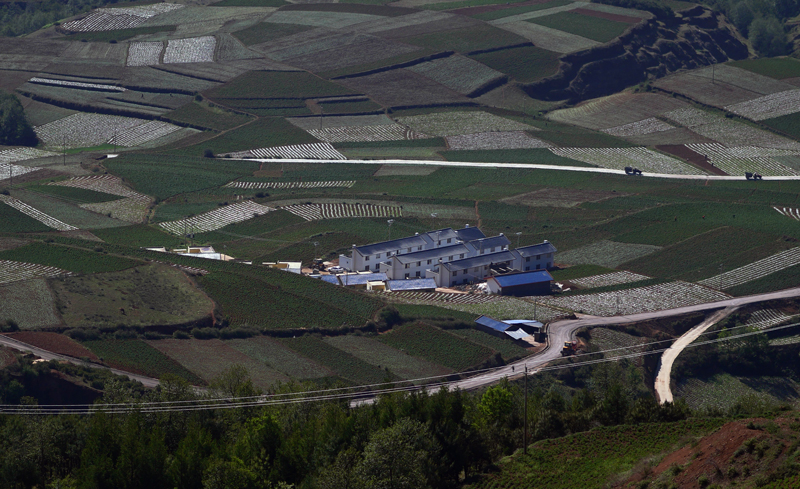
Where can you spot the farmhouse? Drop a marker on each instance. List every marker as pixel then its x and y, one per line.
pixel 521 284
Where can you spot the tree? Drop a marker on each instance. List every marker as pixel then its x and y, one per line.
pixel 767 36
pixel 398 457
pixel 15 130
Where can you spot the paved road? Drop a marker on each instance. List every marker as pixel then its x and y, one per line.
pixel 663 391
pixel 528 166
pixel 47 355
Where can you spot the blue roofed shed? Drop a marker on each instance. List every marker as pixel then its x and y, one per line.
pixel 415 284
pixel 535 282
pixel 360 280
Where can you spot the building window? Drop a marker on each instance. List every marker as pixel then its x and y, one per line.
pixel 406 275
pixel 377 256
pixel 481 252
pixel 439 242
pixel 538 266
pixel 527 259
pixel 486 267
pixel 419 248
pixel 430 261
pixel 376 266
pixel 492 249
pixel 538 257
pixel 409 250
pixel 455 273
pixel 366 258
pixel 366 268
pixel 527 268
pixel 419 263
pixel 417 274
pixel 461 255
pixel 407 265
pixel 449 240
pixel 450 258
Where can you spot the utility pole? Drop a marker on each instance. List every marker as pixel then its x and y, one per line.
pixel 720 276
pixel 389 233
pixel 519 233
pixel 525 435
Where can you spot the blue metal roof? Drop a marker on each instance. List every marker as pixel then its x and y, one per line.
pixel 492 323
pixel 524 278
pixel 412 284
pixel 524 322
pixel 469 234
pixel 363 278
pixel 331 279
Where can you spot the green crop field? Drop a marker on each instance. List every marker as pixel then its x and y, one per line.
pixel 30 304
pixel 465 41
pixel 782 279
pixel 206 116
pixel 579 271
pixel 597 29
pixel 249 3
pixel 138 235
pixel 507 348
pixel 72 259
pixel 345 365
pixel 525 64
pixel 436 345
pixel 778 68
pixel 466 3
pixel 261 133
pixel 538 156
pixel 274 354
pixel 509 11
pixel 74 195
pixel 266 31
pixel 277 84
pixel 590 459
pixel 137 356
pixel 118 34
pixel 16 222
pixel 787 124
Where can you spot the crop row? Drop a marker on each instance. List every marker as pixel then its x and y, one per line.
pixel 633 301
pixel 109 19
pixel 606 279
pixel 190 50
pixel 446 297
pixel 313 212
pixel 741 159
pixel 383 132
pixel 455 123
pixel 14 271
pixel 618 158
pixel 86 129
pixel 21 154
pixel 495 140
pixel 36 214
pixel 766 318
pixel 755 270
pixel 789 212
pixel 728 132
pixel 459 73
pixel 107 184
pixel 620 343
pixel 435 345
pixel 639 128
pixel 65 83
pixel 312 151
pixel 260 185
pixel 498 307
pixel 768 106
pixel 218 218
pixel 144 53
pixel 129 209
pixel 10 170
pixel 149 131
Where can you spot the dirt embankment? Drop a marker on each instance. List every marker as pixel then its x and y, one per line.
pixel 652 49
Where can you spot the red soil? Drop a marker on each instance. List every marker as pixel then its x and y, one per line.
pixel 6 357
pixel 691 156
pixel 54 342
pixel 626 19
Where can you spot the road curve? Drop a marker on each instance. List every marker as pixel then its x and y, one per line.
pixel 663 391
pixel 526 166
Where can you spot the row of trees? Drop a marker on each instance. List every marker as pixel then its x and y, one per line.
pixel 14 126
pixel 762 22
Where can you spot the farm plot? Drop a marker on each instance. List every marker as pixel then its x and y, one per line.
pixel 722 391
pixel 789 212
pixel 343 364
pixel 361 50
pixel 280 358
pixel 436 345
pixel 74 84
pixel 8 170
pixel 559 197
pixel 605 253
pixel 550 39
pixel 639 128
pixel 495 140
pixel 144 53
pixel 217 219
pixel 290 185
pixel 86 130
pixel 36 214
pixel 110 19
pixel 606 279
pixel 331 20
pixel 377 353
pixel 405 170
pixel 738 160
pixel 592 27
pixel 618 158
pixel 313 151
pixel 633 301
pixel 464 75
pixel 767 318
pixel 132 208
pixel 312 212
pixel 14 271
pixel 494 306
pixel 617 110
pixel 457 123
pixel 444 297
pixel 386 132
pixel 401 88
pixel 191 50
pixel 30 304
pixel 22 154
pixel 755 270
pixel 768 106
pixel 139 357
pixel 54 342
pixel 609 339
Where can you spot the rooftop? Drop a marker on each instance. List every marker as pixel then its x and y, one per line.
pixel 362 278
pixel 537 249
pixel 469 234
pixel 412 284
pixel 433 253
pixel 522 278
pixel 393 245
pixel 492 323
pixel 488 243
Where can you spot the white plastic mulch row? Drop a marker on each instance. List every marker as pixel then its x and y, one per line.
pixel 190 50
pixel 10 170
pixel 22 154
pixel 218 218
pixel 383 132
pixel 109 19
pixel 314 212
pixel 15 271
pixel 495 140
pixel 448 297
pixel 86 129
pixel 618 158
pixel 768 106
pixel 766 318
pixel 36 214
pixel 726 131
pixel 740 159
pixel 132 208
pixel 606 279
pixel 144 53
pixel 755 270
pixel 260 185
pixel 639 128
pixel 641 299
pixel 107 184
pixel 789 212
pixel 66 83
pixel 312 151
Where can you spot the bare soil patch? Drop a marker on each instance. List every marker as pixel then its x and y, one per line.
pixel 691 156
pixel 560 197
pixel 54 342
pixel 401 88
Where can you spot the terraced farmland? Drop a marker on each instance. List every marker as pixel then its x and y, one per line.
pixel 290 185
pixel 458 73
pixel 755 270
pixel 21 154
pixel 639 128
pixel 495 140
pixel 217 219
pixel 728 132
pixel 132 208
pixel 191 50
pixel 36 214
pixel 633 301
pixel 86 130
pixel 110 19
pixel 144 53
pixel 313 212
pixel 741 159
pixel 457 123
pixel 385 132
pixel 789 212
pixel 605 253
pixel 494 306
pixel 618 158
pixel 767 318
pixel 768 106
pixel 607 279
pixel 312 151
pixel 14 271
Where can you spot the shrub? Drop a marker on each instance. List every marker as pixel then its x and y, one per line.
pixel 207 153
pixel 181 335
pixel 205 333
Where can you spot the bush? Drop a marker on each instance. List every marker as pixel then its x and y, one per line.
pixel 9 326
pixel 207 153
pixel 87 334
pixel 14 126
pixel 242 332
pixel 205 333
pixel 181 335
